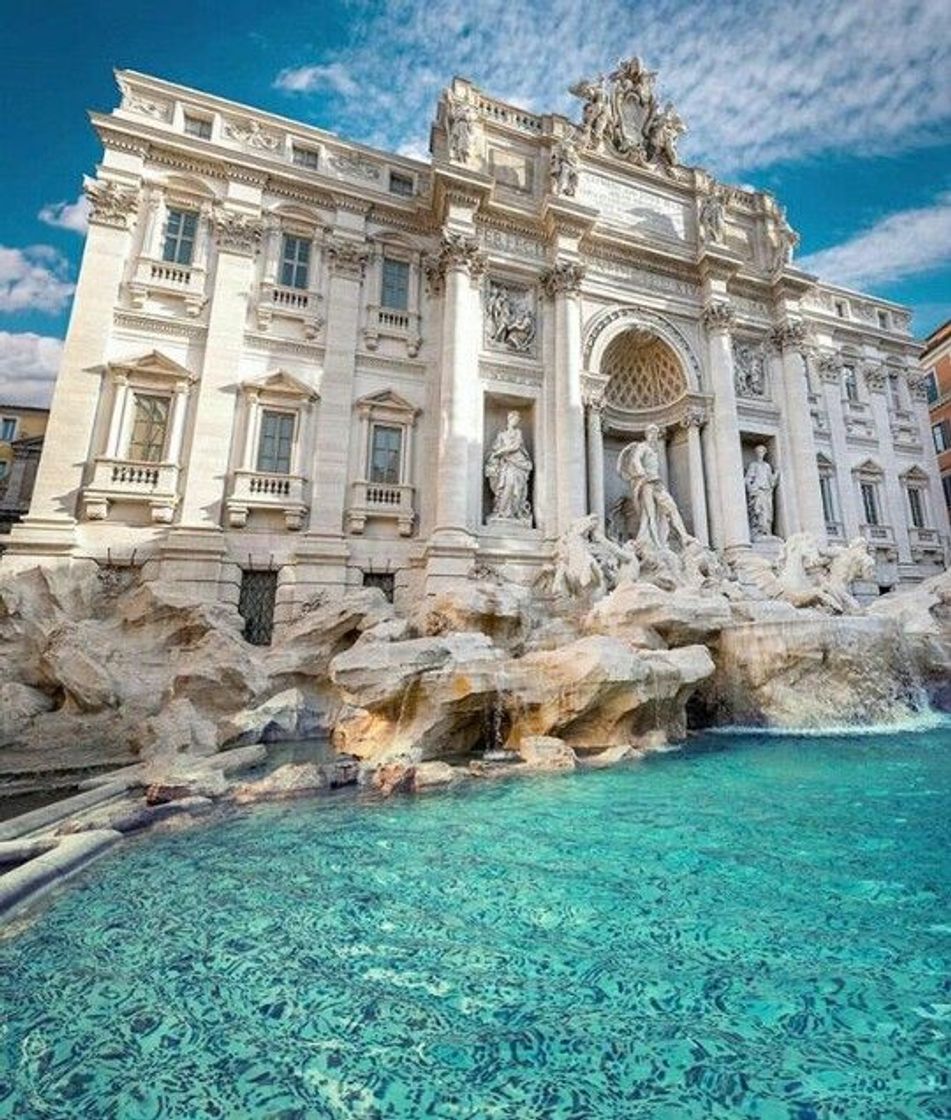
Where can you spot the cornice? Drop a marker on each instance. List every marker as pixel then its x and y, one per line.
pixel 154 324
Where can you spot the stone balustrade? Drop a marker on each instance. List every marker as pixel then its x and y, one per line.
pixel 129 480
pixel 381 500
pixel 263 490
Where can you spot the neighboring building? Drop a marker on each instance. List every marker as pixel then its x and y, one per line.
pixel 21 441
pixel 290 355
pixel 936 364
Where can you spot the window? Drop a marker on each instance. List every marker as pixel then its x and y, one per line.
pixel 946 486
pixel 198 126
pixel 941 434
pixel 828 505
pixel 306 157
pixel 256 601
pixel 931 387
pixel 401 184
pixel 8 428
pixel 841 308
pixel 180 229
pixel 149 426
pixel 4 467
pixel 395 288
pixel 869 502
pixel 883 320
pixel 851 383
pixel 894 389
pixel 386 581
pixel 276 442
pixel 295 262
pixel 916 507
pixel 386 447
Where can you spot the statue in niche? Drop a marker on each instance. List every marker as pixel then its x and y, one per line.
pixel 653 506
pixel 712 217
pixel 761 482
pixel 564 167
pixel 508 467
pixel 511 322
pixel 750 373
pixel 460 121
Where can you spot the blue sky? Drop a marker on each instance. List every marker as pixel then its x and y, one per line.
pixel 842 109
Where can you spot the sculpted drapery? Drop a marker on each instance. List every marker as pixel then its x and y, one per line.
pixel 508 467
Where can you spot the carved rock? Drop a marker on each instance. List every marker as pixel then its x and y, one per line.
pixel 679 617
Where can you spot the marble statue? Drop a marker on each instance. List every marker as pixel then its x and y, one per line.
pixel 654 507
pixel 749 370
pixel 563 167
pixel 664 131
pixel 508 467
pixel 589 563
pixel 712 217
pixel 460 120
pixel 761 482
pixel 511 322
pixel 846 565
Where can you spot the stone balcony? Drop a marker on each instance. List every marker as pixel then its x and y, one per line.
pixel 926 544
pixel 835 531
pixel 387 322
pixel 880 537
pixel 278 301
pixel 125 480
pixel 260 490
pixel 392 501
pixel 158 278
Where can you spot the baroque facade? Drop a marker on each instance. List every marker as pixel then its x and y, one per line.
pixel 294 355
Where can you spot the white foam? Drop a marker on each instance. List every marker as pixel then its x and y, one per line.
pixel 911 723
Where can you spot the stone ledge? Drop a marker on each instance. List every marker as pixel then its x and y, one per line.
pixel 70 854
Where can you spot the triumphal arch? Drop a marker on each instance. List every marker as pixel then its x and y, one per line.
pixel 297 364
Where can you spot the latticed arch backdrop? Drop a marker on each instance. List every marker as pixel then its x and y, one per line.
pixel 644 372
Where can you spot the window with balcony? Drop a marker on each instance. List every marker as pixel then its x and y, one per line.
pixel 276 441
pixel 197 126
pixel 295 262
pixel 394 290
pixel 828 505
pixel 402 185
pixel 916 507
pixel 150 415
pixel 869 502
pixel 306 157
pixel 386 454
pixel 181 227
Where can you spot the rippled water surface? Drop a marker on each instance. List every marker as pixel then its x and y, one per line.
pixel 750 928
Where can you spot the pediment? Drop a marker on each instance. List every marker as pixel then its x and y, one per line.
pixel 281 382
pixel 154 364
pixel 386 401
pixel 868 467
pixel 824 461
pixel 914 474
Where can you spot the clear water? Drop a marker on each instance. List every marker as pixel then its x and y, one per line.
pixel 750 928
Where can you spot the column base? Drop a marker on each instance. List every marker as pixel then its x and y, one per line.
pixel 198 559
pixel 450 557
pixel 40 538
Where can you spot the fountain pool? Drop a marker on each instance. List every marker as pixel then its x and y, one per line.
pixel 749 927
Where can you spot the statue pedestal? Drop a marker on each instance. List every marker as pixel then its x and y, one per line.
pixel 770 547
pixel 508 527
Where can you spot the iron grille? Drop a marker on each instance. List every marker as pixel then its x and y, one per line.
pixel 256 605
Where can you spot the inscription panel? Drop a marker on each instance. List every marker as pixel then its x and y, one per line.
pixel 637 209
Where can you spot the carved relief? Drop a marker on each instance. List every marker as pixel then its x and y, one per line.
pixel 237 233
pixel 353 163
pixel 111 204
pixel 510 321
pixel 622 116
pixel 749 368
pixel 252 135
pixel 134 102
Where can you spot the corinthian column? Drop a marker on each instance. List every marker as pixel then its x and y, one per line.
pixel 790 341
pixel 594 403
pixel 693 420
pixel 562 282
pixel 718 318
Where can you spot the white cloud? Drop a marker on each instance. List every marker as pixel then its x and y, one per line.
pixel 67 215
pixel 306 79
pixel 901 244
pixel 28 367
pixel 34 279
pixel 756 84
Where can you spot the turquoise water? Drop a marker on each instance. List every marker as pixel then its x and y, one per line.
pixel 754 927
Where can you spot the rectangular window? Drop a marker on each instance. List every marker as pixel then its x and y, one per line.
pixel 256 600
pixel 851 385
pixel 401 184
pixel 916 507
pixel 198 126
pixel 931 387
pixel 276 442
pixel 825 489
pixel 395 288
pixel 386 581
pixel 841 308
pixel 295 262
pixel 180 229
pixel 946 486
pixel 386 453
pixel 941 434
pixel 869 503
pixel 883 320
pixel 894 389
pixel 149 425
pixel 8 428
pixel 306 157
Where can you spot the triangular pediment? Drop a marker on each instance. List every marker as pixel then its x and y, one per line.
pixel 281 382
pixel 868 467
pixel 824 461
pixel 914 474
pixel 153 364
pixel 388 400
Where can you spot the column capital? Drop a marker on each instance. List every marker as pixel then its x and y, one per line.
pixel 694 417
pixel 459 251
pixel 719 315
pixel 563 278
pixel 347 257
pixel 876 376
pixel 829 366
pixel 792 335
pixel 593 389
pixel 236 232
pixel 110 203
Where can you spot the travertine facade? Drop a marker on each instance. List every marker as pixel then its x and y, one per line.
pixel 293 353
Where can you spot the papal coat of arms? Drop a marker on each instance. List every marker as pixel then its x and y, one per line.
pixel 623 116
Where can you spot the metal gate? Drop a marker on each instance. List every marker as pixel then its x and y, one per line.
pixel 256 605
pixel 386 581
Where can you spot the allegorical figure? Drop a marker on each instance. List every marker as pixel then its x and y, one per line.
pixel 460 118
pixel 564 167
pixel 712 217
pixel 761 482
pixel 654 507
pixel 508 467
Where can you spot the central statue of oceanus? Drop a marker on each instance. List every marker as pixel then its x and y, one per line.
pixel 654 507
